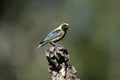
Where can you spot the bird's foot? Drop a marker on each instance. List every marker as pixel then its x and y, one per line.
pixel 52 44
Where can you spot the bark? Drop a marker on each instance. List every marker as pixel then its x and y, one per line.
pixel 59 64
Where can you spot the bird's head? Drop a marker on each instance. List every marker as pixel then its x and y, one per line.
pixel 64 26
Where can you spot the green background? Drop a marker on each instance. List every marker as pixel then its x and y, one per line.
pixel 93 39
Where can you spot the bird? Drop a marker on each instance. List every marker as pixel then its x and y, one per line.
pixel 55 35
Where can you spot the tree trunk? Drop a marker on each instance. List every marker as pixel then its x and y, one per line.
pixel 59 64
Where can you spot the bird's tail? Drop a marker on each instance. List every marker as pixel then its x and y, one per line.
pixel 40 45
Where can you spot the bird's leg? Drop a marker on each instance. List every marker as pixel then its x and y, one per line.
pixel 52 44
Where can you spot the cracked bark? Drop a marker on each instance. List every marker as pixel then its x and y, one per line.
pixel 59 64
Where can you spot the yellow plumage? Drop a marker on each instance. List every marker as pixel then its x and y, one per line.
pixel 55 35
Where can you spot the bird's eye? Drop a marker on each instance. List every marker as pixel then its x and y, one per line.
pixel 65 27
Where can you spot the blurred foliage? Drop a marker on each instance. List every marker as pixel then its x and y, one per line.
pixel 93 39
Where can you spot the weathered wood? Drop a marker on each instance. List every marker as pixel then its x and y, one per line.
pixel 59 64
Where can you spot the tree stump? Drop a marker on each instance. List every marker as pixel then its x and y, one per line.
pixel 59 64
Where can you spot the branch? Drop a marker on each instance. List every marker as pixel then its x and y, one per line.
pixel 59 64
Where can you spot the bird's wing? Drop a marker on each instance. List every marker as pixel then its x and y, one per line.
pixel 52 35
